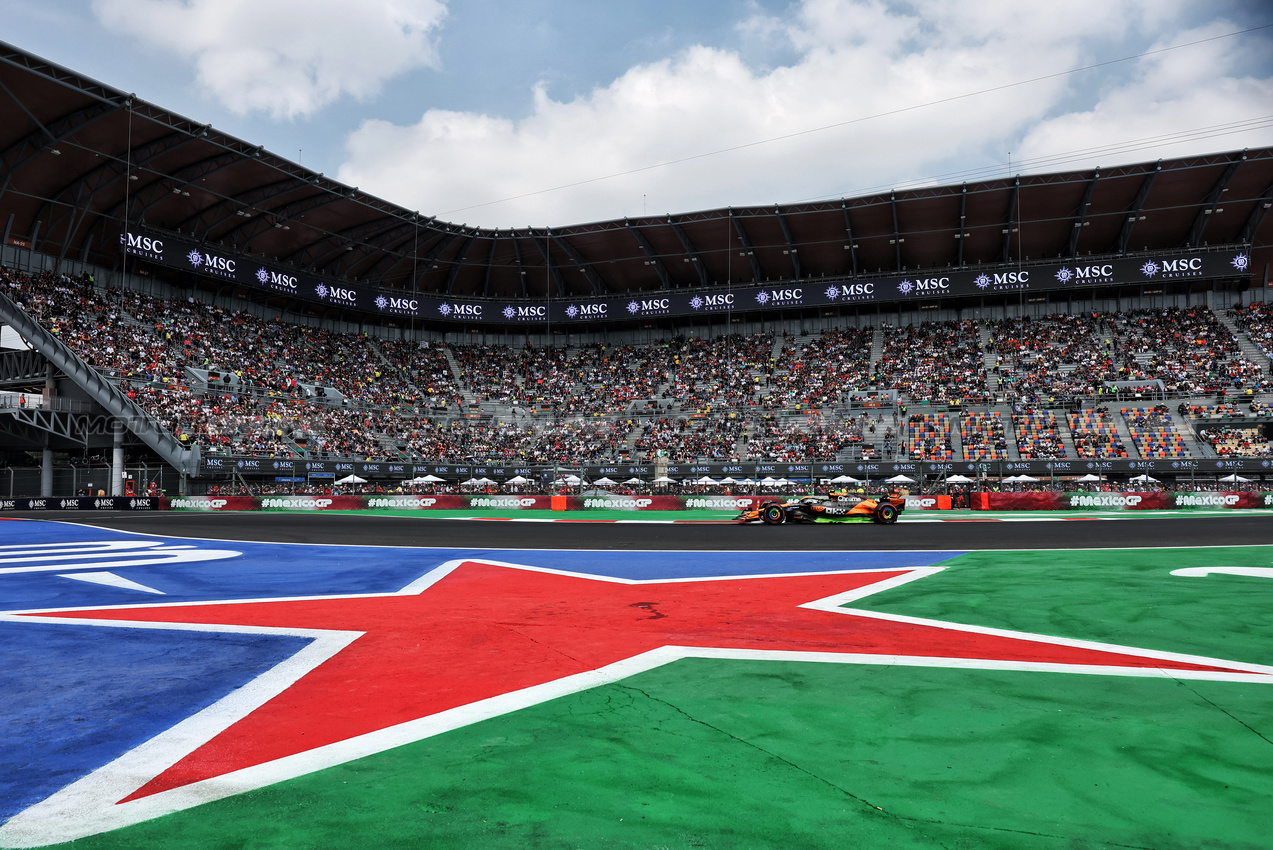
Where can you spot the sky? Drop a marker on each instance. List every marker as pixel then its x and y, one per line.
pixel 559 112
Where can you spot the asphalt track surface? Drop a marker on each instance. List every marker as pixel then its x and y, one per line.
pixel 371 530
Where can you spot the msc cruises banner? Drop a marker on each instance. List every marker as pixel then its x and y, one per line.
pixel 212 261
pixel 299 469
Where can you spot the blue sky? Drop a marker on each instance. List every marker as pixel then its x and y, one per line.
pixel 563 111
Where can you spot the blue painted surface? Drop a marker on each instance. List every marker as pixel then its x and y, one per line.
pixel 74 697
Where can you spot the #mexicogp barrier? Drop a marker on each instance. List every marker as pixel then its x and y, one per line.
pixel 1129 501
pixel 1045 501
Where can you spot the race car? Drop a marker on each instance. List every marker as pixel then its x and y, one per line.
pixel 839 507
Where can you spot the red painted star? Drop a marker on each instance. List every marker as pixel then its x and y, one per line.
pixel 477 639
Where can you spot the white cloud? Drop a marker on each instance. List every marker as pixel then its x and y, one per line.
pixel 287 58
pixel 857 58
pixel 1166 96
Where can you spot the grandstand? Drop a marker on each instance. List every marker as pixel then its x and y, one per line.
pixel 380 342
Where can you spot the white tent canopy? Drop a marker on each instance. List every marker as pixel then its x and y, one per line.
pixel 518 479
pixel 1230 478
pixel 663 479
pixel 1089 478
pixel 352 479
pixel 634 481
pixel 472 482
pixel 706 479
pixel 899 479
pixel 605 482
pixel 484 481
pixel 1144 478
pixel 845 479
pixel 430 479
pixel 958 479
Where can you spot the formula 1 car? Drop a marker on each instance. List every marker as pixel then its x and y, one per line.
pixel 834 508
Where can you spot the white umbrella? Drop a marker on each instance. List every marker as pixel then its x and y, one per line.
pixel 845 479
pixel 899 479
pixel 1145 479
pixel 572 480
pixel 706 479
pixel 1231 478
pixel 352 479
pixel 958 479
pixel 517 479
pixel 634 481
pixel 605 482
pixel 472 482
pixel 1089 478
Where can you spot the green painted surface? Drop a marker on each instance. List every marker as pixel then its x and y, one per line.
pixel 754 754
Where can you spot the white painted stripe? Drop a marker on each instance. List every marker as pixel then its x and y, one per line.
pixel 111 580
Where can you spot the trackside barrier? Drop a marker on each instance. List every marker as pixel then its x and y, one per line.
pixel 1125 501
pixel 1045 501
pixel 86 503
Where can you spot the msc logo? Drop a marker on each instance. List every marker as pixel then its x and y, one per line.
pixel 211 262
pixel 780 296
pixel 460 311
pixel 929 284
pixel 851 290
pixel 534 312
pixel 144 244
pixel 586 310
pixel 336 293
pixel 1093 272
pixel 1182 266
pixel 1011 278
pixel 726 300
pixel 649 305
pixel 410 304
pixel 275 279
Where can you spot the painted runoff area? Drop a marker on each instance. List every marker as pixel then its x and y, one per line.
pixel 181 693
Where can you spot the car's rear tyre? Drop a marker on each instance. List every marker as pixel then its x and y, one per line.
pixel 885 514
pixel 772 515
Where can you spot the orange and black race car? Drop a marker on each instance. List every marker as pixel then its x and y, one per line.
pixel 833 508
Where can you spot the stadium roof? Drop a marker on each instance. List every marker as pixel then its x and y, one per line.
pixel 78 158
